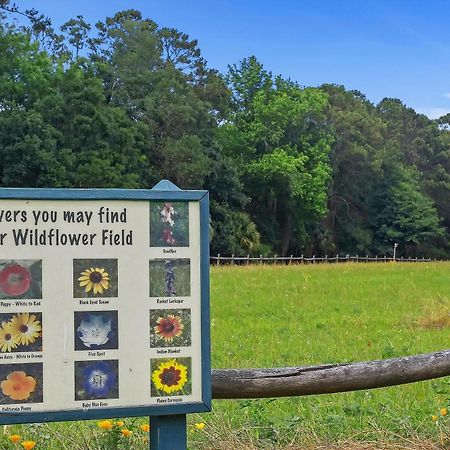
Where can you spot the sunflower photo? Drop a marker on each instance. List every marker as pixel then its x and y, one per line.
pixel 20 332
pixel 95 330
pixel 21 278
pixel 170 328
pixel 170 377
pixel 170 277
pixel 95 278
pixel 169 224
pixel 96 379
pixel 21 383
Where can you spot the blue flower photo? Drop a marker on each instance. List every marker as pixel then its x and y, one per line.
pixel 96 379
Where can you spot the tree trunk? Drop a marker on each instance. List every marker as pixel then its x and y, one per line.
pixel 286 234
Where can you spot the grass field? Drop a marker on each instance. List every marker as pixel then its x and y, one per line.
pixel 274 316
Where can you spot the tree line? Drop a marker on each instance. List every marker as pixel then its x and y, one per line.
pixel 290 169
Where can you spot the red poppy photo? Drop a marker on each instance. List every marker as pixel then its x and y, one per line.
pixel 20 279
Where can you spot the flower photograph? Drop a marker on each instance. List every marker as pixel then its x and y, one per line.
pixel 95 278
pixel 21 383
pixel 170 277
pixel 96 379
pixel 170 328
pixel 170 376
pixel 96 330
pixel 20 332
pixel 169 224
pixel 21 279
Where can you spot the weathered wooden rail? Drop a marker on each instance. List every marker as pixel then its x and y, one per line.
pixel 328 378
pixel 245 260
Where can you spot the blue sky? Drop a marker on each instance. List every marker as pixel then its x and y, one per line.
pixel 383 48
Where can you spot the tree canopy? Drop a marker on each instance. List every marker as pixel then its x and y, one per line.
pixel 290 169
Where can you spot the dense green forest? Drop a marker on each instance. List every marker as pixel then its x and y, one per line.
pixel 290 169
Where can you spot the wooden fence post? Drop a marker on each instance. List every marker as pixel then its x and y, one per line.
pixel 218 259
pixel 248 260
pixel 168 432
pixel 290 260
pixel 260 259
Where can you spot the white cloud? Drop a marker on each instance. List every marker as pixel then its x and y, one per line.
pixel 433 113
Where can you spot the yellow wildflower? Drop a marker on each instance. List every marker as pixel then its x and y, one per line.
pixel 119 423
pixel 105 425
pixel 28 445
pixel 434 418
pixel 444 411
pixel 200 425
pixel 15 438
pixel 126 433
pixel 145 427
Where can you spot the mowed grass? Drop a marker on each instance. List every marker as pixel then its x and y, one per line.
pixel 274 316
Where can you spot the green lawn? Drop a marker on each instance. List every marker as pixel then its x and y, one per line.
pixel 272 316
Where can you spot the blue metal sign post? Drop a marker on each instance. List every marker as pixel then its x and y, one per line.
pixel 112 287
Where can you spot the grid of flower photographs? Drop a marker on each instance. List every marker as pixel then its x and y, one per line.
pixel 96 330
pixel 21 332
pixel 170 328
pixel 20 279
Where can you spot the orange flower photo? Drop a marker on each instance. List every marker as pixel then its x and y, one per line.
pixel 170 328
pixel 21 383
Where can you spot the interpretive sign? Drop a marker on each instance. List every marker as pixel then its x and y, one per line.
pixel 104 303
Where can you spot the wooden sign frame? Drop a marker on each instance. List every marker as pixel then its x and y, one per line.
pixel 189 365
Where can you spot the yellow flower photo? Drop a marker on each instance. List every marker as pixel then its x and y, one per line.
pixel 95 278
pixel 171 376
pixel 25 328
pixel 7 340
